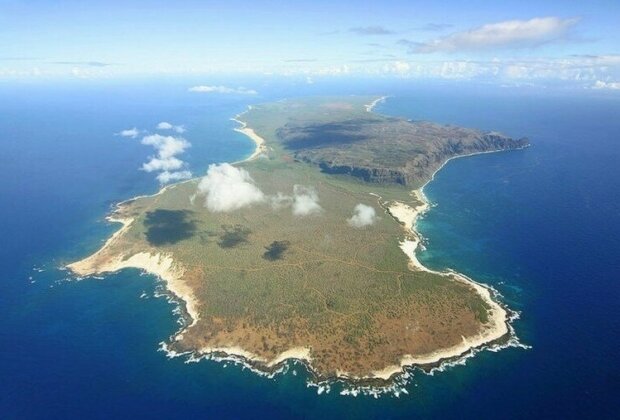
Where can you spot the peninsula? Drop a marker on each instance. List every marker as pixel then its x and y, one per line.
pixel 307 249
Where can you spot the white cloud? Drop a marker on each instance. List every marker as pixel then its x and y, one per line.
pixel 305 201
pixel 363 216
pixel 227 188
pixel 569 70
pixel 400 67
pixel 280 201
pixel 167 146
pixel 165 177
pixel 132 132
pixel 579 70
pixel 167 164
pixel 599 84
pixel 333 70
pixel 164 126
pixel 222 89
pixel 507 34
pixel 167 126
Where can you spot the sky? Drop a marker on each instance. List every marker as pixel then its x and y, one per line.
pixel 506 42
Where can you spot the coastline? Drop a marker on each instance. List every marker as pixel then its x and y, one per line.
pixel 82 267
pixel 499 318
pixel 261 147
pixel 495 329
pixel 369 107
pixel 160 265
pixel 295 353
pixel 171 273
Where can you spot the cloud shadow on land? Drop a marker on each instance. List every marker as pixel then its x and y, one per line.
pixel 275 251
pixel 167 227
pixel 233 236
pixel 315 136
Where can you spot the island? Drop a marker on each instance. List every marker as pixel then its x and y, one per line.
pixel 306 250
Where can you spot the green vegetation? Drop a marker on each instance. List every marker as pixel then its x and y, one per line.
pixel 268 280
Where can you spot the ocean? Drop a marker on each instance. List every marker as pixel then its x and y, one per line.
pixel 541 225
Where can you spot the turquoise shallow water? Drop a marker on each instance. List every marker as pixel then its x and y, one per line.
pixel 541 225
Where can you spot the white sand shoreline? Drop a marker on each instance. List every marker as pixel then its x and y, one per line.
pixel 369 107
pixel 260 143
pixel 297 353
pixel 161 265
pixel 498 326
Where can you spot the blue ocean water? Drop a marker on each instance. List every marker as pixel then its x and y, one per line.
pixel 541 225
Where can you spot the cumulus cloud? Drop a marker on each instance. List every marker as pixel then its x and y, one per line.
pixel 370 30
pixel 132 132
pixel 363 216
pixel 305 201
pixel 599 84
pixel 572 70
pixel 167 126
pixel 227 188
pixel 580 70
pixel 166 146
pixel 164 126
pixel 166 177
pixel 166 162
pixel 280 201
pixel 397 67
pixel 507 34
pixel 222 89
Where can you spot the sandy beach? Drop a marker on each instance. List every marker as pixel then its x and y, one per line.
pixel 85 267
pixel 370 106
pixel 258 140
pixel 161 265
